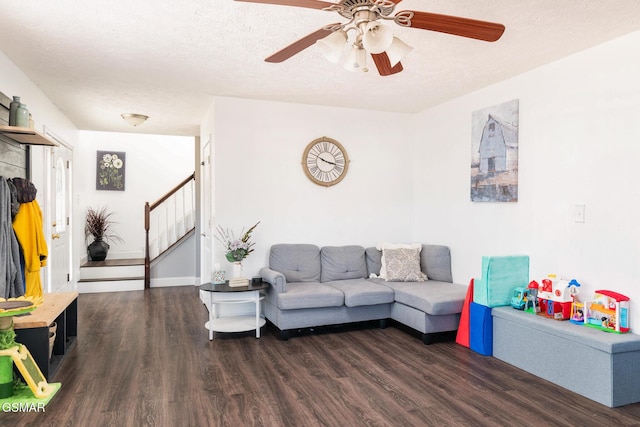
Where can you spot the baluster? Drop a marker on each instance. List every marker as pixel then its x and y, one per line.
pixel 177 221
pixel 193 204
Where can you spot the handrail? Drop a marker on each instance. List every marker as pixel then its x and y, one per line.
pixel 172 191
pixel 147 225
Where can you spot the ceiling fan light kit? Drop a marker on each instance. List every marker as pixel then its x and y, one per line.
pixel 332 46
pixel 376 38
pixel 397 51
pixel 371 37
pixel 357 60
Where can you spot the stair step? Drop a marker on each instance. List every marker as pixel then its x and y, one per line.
pixel 114 262
pixel 112 269
pixel 110 279
pixel 111 285
pixel 112 272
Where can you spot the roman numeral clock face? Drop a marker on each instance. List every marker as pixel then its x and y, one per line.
pixel 325 161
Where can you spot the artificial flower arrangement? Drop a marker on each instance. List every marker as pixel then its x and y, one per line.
pixel 237 248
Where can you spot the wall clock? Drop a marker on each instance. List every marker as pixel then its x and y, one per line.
pixel 325 161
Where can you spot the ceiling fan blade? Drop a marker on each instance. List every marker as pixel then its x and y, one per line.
pixel 481 30
pixel 299 45
pixel 384 65
pixel 311 4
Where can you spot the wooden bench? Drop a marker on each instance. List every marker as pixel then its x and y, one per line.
pixel 602 366
pixel 32 330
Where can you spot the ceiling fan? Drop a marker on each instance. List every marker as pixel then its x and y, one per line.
pixel 370 36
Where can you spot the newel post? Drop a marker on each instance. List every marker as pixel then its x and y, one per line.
pixel 147 258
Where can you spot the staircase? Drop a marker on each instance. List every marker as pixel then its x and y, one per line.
pixel 111 275
pixel 168 222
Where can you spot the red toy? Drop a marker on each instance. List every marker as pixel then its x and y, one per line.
pixel 556 296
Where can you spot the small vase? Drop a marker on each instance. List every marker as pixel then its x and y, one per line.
pixel 22 116
pixel 13 109
pixel 98 250
pixel 237 269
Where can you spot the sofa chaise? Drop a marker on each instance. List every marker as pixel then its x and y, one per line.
pixel 312 286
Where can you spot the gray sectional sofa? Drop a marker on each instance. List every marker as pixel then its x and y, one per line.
pixel 313 287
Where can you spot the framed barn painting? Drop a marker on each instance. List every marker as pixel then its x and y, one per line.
pixel 494 153
pixel 110 170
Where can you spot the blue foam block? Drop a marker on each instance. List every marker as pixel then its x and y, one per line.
pixel 480 329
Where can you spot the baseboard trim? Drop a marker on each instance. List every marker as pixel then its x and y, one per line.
pixel 163 282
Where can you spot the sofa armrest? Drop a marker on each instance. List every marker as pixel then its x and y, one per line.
pixel 275 279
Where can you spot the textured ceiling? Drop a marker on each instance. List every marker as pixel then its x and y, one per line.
pixel 96 59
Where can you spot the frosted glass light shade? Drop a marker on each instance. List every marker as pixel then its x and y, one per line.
pixel 357 60
pixel 332 46
pixel 397 51
pixel 377 38
pixel 134 119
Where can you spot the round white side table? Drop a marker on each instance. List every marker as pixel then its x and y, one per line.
pixel 225 294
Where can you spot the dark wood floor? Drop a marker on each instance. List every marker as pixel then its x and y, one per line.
pixel 144 359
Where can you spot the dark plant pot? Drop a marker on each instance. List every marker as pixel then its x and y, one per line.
pixel 98 250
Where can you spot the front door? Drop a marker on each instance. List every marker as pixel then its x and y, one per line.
pixel 60 259
pixel 206 265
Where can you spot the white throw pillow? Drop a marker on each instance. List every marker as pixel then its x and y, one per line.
pixel 383 246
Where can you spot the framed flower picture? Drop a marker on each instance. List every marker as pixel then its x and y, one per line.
pixel 110 170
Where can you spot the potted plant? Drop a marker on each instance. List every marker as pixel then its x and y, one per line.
pixel 100 226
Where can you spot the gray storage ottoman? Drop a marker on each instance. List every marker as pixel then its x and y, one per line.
pixel 602 366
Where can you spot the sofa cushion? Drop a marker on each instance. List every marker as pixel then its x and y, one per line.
pixel 342 262
pixel 436 262
pixel 309 295
pixel 403 265
pixel 359 292
pixel 298 262
pixel 432 297
pixel 373 256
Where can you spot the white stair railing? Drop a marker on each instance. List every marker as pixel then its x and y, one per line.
pixel 168 220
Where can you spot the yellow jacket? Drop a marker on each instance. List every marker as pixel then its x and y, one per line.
pixel 28 227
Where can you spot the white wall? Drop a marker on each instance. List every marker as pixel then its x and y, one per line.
pixel 579 144
pixel 13 82
pixel 259 176
pixel 154 165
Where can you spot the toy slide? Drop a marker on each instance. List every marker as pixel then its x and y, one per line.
pixel 30 371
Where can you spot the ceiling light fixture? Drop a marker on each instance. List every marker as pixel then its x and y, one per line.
pixel 134 119
pixel 369 35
